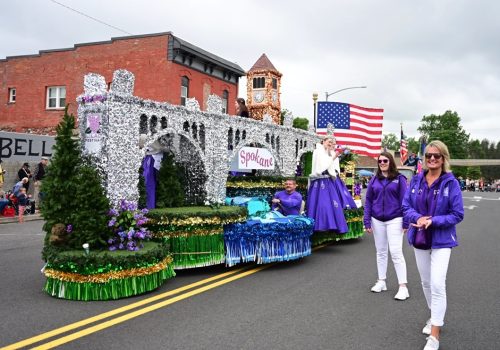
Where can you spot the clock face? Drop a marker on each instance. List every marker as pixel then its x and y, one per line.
pixel 275 96
pixel 258 96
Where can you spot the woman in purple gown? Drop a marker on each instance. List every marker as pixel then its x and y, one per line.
pixel 327 196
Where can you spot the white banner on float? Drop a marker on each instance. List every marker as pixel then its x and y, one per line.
pixel 92 139
pixel 255 158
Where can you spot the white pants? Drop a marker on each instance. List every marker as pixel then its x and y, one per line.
pixel 388 237
pixel 433 266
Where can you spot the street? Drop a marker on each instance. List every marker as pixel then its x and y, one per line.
pixel 320 302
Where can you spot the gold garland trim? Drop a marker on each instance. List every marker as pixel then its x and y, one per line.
pixel 106 277
pixel 263 184
pixel 196 220
pixel 197 232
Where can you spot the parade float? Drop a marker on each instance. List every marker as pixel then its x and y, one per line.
pixel 94 251
pixel 124 143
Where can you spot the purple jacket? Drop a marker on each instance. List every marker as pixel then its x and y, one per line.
pixel 445 199
pixel 290 203
pixel 383 200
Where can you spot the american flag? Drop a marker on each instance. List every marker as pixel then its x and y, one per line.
pixel 356 127
pixel 403 147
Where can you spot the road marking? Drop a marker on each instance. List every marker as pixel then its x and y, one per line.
pixel 470 207
pixel 104 315
pixel 126 317
pixel 478 199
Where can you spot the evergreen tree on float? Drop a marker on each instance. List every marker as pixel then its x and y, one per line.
pixel 169 192
pixel 73 195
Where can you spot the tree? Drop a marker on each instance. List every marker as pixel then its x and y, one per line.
pixel 391 142
pixel 446 128
pixel 473 172
pixel 301 123
pixel 413 145
pixel 475 150
pixel 72 192
pixel 90 219
pixel 169 192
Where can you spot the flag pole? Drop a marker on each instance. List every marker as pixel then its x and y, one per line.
pixel 315 100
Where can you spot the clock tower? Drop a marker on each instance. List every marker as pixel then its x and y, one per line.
pixel 263 90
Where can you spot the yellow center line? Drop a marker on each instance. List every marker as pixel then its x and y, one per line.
pixel 99 317
pixel 120 319
pixel 117 311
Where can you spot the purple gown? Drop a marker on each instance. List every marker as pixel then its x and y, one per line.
pixel 325 205
pixel 344 194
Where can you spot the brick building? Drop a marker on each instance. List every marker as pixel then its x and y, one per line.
pixel 35 88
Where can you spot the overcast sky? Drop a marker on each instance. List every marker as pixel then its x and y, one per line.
pixel 416 57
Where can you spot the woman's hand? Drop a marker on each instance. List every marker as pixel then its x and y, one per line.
pixel 369 230
pixel 423 221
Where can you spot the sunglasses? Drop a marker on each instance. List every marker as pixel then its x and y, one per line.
pixel 384 161
pixel 435 155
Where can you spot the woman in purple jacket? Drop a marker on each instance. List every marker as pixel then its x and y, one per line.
pixel 433 206
pixel 384 218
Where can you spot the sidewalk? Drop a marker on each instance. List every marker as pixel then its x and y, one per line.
pixel 30 217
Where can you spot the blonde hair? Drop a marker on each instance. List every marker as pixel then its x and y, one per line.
pixel 443 149
pixel 329 137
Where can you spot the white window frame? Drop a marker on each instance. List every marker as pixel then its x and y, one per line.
pixel 12 95
pixel 184 90
pixel 225 97
pixel 60 94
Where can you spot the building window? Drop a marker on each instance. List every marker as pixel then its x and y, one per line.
pixel 275 83
pixel 259 83
pixel 12 95
pixel 56 97
pixel 184 90
pixel 225 97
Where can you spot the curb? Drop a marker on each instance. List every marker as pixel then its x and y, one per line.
pixel 14 219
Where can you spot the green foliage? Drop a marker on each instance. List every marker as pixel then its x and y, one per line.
pixel 169 192
pixel 473 172
pixel 391 142
pixel 413 145
pixel 446 128
pixel 459 171
pixel 301 123
pixel 89 218
pixel 102 260
pixel 263 181
pixel 73 194
pixel 225 213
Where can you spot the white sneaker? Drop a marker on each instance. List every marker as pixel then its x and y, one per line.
pixel 379 287
pixel 432 343
pixel 427 327
pixel 402 294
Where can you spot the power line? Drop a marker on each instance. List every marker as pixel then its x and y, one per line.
pixel 92 18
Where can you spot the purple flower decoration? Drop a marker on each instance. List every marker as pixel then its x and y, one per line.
pixel 126 223
pixel 69 228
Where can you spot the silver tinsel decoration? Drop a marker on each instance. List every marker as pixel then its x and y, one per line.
pixel 199 140
pixel 267 119
pixel 288 120
pixel 214 104
pixel 192 104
